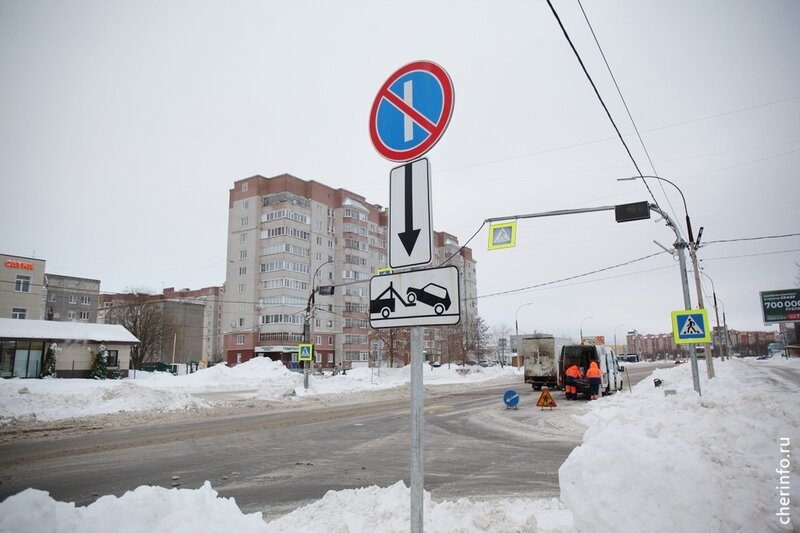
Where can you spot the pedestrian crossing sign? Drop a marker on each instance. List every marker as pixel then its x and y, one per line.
pixel 691 327
pixel 305 352
pixel 503 235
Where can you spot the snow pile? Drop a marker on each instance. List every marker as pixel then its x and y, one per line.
pixel 388 378
pixel 679 462
pixel 650 461
pixel 152 509
pixel 56 399
pixel 156 509
pixel 262 377
pixel 388 510
pixel 259 379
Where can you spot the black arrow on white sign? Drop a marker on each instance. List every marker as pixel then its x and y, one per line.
pixel 409 236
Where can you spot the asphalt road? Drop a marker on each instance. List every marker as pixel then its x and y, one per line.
pixel 277 460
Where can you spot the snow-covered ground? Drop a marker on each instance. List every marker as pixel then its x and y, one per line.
pixel 654 459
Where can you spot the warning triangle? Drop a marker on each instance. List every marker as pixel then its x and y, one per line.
pixel 502 236
pixel 691 327
pixel 546 399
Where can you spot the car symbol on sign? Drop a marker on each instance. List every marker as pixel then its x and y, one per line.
pixel 431 294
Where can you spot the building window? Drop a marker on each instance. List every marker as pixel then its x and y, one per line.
pixel 244 187
pixel 112 357
pixel 71 315
pixel 19 312
pixel 245 221
pixel 84 315
pixel 319 339
pixel 241 322
pixel 330 338
pixel 240 340
pixel 242 271
pixel 52 297
pixel 86 300
pixel 245 205
pixel 242 288
pixel 23 284
pixel 73 299
pixel 243 237
pixel 242 254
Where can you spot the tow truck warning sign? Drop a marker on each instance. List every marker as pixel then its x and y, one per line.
pixel 427 297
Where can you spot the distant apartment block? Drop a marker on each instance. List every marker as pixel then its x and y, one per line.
pixel 288 237
pixel 71 299
pixel 190 326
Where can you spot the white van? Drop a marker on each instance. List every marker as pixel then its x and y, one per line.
pixel 582 355
pixel 612 372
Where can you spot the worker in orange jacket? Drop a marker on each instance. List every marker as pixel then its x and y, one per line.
pixel 595 376
pixel 570 387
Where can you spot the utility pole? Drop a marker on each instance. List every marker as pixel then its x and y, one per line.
pixel 693 245
pixel 680 246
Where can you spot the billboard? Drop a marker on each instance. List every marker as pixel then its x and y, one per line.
pixel 780 306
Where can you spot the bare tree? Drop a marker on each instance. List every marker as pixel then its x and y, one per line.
pixel 501 331
pixel 145 320
pixel 474 338
pixel 396 343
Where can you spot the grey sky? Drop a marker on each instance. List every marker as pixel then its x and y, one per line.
pixel 124 124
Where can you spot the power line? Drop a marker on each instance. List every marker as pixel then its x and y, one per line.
pixel 628 111
pixel 604 269
pixel 597 93
pixel 751 255
pixel 754 238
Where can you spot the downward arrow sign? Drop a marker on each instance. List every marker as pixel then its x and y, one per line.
pixel 409 236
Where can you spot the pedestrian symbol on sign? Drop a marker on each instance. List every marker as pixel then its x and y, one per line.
pixel 305 352
pixel 503 235
pixel 690 327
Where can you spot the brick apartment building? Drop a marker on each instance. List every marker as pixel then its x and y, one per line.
pixel 288 236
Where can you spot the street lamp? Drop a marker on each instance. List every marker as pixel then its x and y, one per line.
pixel 309 314
pixel 693 245
pixel 581 329
pixel 716 313
pixel 516 326
pixel 615 335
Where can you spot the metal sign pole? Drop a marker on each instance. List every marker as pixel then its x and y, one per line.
pixel 417 400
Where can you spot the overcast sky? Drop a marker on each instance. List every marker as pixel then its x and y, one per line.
pixel 123 125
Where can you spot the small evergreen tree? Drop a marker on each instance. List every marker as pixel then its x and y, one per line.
pixel 49 363
pixel 99 365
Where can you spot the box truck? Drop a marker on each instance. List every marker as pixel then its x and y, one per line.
pixel 541 353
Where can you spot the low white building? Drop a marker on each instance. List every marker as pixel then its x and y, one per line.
pixel 23 344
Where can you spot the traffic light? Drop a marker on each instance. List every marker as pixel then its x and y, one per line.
pixel 326 290
pixel 631 212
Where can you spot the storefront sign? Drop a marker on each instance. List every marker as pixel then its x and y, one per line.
pixel 10 263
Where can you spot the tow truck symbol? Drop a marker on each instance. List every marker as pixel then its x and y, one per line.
pixel 431 294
